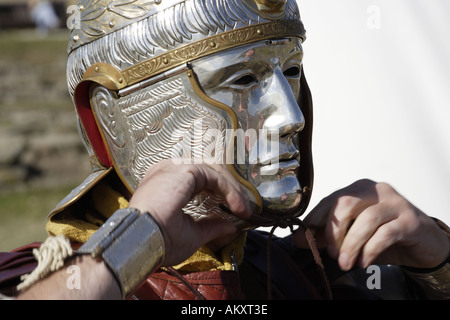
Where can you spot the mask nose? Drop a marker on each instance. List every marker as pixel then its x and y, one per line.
pixel 281 105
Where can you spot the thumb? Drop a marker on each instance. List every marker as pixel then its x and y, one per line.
pixel 316 222
pixel 211 229
pixel 318 217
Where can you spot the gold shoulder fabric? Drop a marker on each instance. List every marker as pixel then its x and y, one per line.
pixel 80 226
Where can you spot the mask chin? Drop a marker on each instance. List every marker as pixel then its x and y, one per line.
pixel 281 198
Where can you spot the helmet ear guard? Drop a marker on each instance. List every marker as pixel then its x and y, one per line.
pixel 109 77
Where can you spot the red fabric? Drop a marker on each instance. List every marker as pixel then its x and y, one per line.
pixel 13 265
pixel 87 118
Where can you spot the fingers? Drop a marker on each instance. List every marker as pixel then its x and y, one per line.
pixel 346 210
pixel 384 237
pixel 333 216
pixel 367 237
pixel 357 223
pixel 168 187
pixel 218 179
pixel 216 230
pixel 165 191
pixel 358 195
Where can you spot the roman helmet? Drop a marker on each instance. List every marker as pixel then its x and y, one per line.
pixel 193 81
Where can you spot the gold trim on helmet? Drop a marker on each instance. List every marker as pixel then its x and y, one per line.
pixel 113 79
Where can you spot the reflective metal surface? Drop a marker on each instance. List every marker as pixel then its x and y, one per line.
pixel 167 120
pixel 141 37
pixel 179 20
pixel 260 82
pixel 237 105
pixel 155 123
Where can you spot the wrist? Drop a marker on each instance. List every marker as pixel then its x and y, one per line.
pixel 131 245
pixel 434 281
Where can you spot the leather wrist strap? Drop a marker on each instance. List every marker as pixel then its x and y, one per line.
pixel 436 281
pixel 436 284
pixel 131 245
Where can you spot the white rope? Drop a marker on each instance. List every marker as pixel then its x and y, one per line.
pixel 50 256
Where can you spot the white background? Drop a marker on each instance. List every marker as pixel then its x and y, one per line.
pixel 379 72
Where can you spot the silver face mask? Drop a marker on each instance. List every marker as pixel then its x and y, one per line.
pixel 248 119
pixel 260 82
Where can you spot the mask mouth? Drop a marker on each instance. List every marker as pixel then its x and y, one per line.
pixel 273 166
pixel 287 156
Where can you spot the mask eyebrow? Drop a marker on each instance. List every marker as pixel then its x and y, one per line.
pixel 226 75
pixel 255 59
pixel 297 50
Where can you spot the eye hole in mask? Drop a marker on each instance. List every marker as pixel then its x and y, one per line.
pixel 245 80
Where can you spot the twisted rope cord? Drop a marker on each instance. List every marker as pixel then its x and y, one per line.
pixel 50 256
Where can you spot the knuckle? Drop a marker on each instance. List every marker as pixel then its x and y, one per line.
pixel 345 202
pixel 391 231
pixel 412 224
pixel 362 184
pixel 385 187
pixel 366 181
pixel 189 170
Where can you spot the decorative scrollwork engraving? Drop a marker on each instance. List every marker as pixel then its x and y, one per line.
pixel 268 7
pixel 163 122
pixel 209 46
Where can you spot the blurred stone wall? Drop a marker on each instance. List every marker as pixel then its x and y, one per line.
pixel 39 141
pixel 40 149
pixel 16 13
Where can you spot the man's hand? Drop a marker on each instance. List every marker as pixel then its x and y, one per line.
pixel 168 187
pixel 370 222
pixel 163 192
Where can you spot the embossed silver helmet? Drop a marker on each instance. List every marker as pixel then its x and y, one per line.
pixel 196 79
